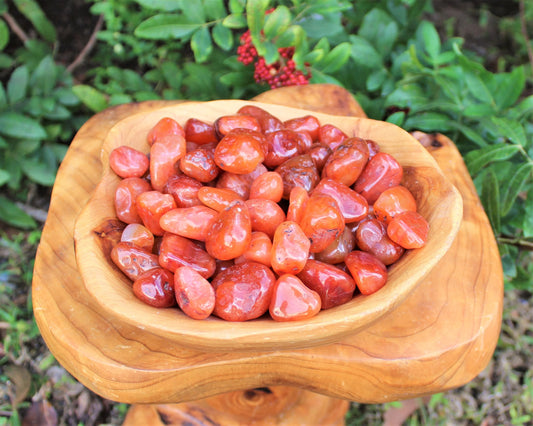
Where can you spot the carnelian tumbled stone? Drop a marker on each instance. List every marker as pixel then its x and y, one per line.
pixel 126 198
pixel 230 233
pixel 408 229
pixel 322 221
pixel 334 286
pixel 290 248
pixel 347 162
pixel 243 291
pixel 155 288
pixel 151 205
pixel 292 300
pixel 369 273
pixel 200 132
pixel 393 201
pixel 167 126
pixel 191 222
pixel 371 236
pixel 128 162
pixel 133 260
pixel 240 151
pixel 352 205
pixel 381 172
pixel 194 294
pixel 176 251
pixel 267 121
pixel 139 235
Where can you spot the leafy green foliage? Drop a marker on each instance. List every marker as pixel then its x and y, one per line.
pixel 37 112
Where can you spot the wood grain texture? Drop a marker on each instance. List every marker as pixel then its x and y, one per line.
pixel 437 200
pixel 440 337
pixel 277 405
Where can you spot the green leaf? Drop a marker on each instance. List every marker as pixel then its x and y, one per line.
pixel 235 21
pixel 397 118
pixel 292 36
pixel 165 27
pixel 277 22
pixel 44 78
pixel 380 29
pixel 478 110
pixel 4 34
pixel 13 215
pixel 39 172
pixel 490 197
pixel 214 9
pixel 336 58
pixel 26 146
pixel 364 54
pixel 476 160
pixel 201 44
pixel 17 85
pixel 234 78
pixel 430 37
pixel 270 52
pixel 509 87
pixel 472 135
pixel 527 225
pixel 524 108
pixel 222 36
pixel 429 122
pixel 513 186
pixel 510 129
pixel 90 97
pixel 33 12
pixel 20 126
pixel 318 25
pixel 4 177
pixel 478 88
pixel 3 97
pixel 255 17
pixel 237 6
pixel 65 96
pixel 376 79
pixel 165 5
pixel 194 12
pixel 172 73
pixel 119 99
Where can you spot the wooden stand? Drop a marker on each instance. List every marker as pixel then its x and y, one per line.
pixel 439 338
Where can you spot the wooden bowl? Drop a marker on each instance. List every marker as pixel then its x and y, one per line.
pixel 97 228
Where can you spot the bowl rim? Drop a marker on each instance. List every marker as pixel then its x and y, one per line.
pixel 214 334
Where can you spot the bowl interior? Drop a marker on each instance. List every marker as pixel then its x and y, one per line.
pixel 438 201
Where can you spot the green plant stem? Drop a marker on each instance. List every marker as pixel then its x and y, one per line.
pixel 88 47
pixel 15 27
pixel 519 242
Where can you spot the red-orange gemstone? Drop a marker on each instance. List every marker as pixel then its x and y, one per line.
pixel 292 300
pixel 369 273
pixel 194 294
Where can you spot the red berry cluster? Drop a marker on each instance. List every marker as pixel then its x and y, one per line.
pixel 283 72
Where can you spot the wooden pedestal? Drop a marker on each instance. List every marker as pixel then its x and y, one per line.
pixel 440 338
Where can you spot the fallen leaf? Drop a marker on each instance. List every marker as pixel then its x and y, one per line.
pixel 21 379
pixel 396 416
pixel 40 413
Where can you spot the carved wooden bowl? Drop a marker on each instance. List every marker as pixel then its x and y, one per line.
pixel 97 227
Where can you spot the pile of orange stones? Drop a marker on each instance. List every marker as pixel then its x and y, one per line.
pixel 250 215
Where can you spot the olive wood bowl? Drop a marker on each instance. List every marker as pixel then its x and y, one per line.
pixel 97 228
